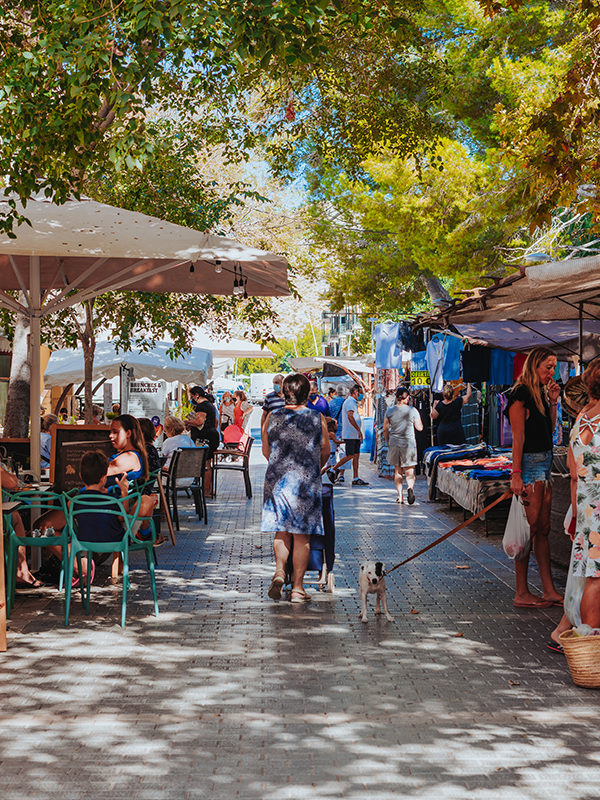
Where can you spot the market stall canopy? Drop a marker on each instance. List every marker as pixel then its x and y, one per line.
pixel 329 366
pixel 232 348
pixel 66 366
pixel 556 305
pixel 542 292
pixel 561 336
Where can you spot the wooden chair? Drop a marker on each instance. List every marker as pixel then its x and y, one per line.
pixel 187 462
pixel 233 458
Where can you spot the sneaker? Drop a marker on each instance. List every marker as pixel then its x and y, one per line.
pixel 359 482
pixel 340 479
pixel 332 475
pixel 411 497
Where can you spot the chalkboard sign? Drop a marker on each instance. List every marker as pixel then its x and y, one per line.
pixel 16 451
pixel 69 443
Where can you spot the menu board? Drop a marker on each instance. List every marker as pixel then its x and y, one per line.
pixel 69 443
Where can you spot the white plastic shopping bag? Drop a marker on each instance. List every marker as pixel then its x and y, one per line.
pixel 575 585
pixel 517 537
pixel 573 594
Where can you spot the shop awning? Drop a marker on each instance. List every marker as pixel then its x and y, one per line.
pixel 547 304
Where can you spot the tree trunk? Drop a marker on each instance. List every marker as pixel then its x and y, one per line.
pixel 439 295
pixel 16 421
pixel 88 366
pixel 88 342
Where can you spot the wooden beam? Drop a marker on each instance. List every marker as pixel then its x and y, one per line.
pixel 61 399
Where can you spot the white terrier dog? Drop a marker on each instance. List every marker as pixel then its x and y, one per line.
pixel 371 579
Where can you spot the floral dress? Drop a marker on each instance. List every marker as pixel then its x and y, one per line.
pixel 292 496
pixel 586 545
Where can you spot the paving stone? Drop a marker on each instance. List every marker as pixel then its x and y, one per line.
pixel 229 694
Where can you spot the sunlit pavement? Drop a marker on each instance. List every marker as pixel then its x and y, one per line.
pixel 229 694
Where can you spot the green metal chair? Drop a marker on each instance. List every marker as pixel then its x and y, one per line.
pixel 129 543
pixel 37 503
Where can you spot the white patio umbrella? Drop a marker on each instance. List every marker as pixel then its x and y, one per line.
pixel 66 366
pixel 74 252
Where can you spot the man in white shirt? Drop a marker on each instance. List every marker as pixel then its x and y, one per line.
pixel 352 436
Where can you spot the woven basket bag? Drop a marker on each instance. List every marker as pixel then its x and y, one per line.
pixel 583 658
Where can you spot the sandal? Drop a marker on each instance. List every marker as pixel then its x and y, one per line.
pixel 75 582
pixel 25 585
pixel 300 596
pixel 275 587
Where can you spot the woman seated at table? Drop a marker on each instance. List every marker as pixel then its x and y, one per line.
pixel 25 579
pixel 130 457
pixel 176 439
pixel 48 420
pixel 130 460
pixel 149 433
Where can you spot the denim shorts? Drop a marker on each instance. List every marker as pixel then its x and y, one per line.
pixel 536 467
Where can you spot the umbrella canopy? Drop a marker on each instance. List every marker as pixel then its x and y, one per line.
pixel 66 366
pixel 76 251
pixel 95 248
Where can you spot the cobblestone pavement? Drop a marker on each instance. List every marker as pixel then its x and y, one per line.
pixel 229 694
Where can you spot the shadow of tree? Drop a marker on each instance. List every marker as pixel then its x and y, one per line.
pixel 231 695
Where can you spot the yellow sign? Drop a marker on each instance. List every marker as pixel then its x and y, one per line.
pixel 419 377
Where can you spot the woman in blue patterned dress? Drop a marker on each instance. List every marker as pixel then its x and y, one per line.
pixel 296 445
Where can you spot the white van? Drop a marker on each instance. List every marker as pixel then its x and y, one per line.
pixel 261 383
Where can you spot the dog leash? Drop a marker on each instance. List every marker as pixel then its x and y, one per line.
pixel 505 496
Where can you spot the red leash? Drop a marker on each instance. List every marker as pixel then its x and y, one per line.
pixel 502 497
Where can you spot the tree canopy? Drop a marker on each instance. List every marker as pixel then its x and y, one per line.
pixel 80 79
pixel 512 169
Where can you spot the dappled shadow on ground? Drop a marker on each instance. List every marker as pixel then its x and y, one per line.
pixel 229 694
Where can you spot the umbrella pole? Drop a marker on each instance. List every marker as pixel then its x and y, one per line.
pixel 34 355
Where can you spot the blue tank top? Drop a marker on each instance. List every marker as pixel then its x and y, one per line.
pixel 133 474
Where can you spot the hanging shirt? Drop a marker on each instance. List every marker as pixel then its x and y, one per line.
pixel 451 366
pixel 501 367
pixel 476 364
pixel 434 354
pixel 518 365
pixel 418 361
pixel 388 352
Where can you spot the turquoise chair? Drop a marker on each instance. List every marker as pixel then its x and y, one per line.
pixel 129 543
pixel 37 503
